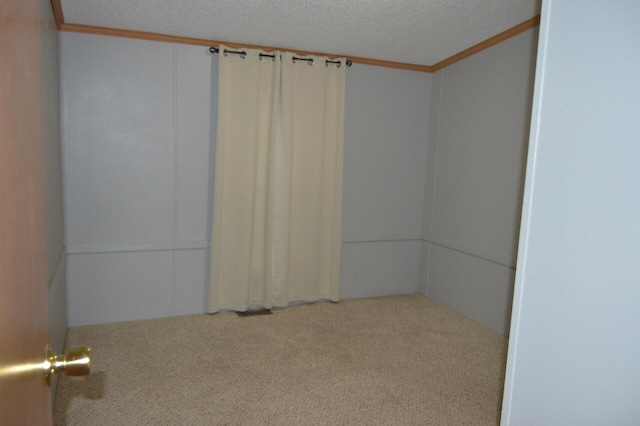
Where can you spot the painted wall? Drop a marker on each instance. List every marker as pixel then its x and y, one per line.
pixel 575 345
pixel 480 112
pixel 384 170
pixel 138 155
pixel 56 255
pixel 137 172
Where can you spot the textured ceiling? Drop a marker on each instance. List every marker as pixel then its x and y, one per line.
pixel 420 32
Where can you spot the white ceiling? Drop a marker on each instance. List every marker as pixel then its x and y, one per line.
pixel 420 32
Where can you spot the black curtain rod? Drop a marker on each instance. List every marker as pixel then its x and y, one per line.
pixel 243 54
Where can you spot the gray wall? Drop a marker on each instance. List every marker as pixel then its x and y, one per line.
pixel 480 112
pixel 575 346
pixel 137 149
pixel 384 170
pixel 56 255
pixel 52 171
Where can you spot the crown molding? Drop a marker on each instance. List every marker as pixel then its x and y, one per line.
pixel 511 32
pixel 115 32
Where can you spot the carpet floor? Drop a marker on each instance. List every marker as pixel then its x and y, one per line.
pixel 399 360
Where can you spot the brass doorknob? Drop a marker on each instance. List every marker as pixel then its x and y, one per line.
pixel 75 362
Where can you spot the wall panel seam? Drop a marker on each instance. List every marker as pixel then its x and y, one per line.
pixel 193 245
pixel 176 168
pixel 435 160
pixel 387 240
pixel 175 144
pixel 428 267
pixel 173 282
pixel 60 264
pixel 501 262
pixel 363 238
pixel 137 246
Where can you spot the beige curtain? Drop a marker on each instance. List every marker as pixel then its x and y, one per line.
pixel 277 207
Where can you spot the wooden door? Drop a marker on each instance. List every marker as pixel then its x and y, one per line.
pixel 24 394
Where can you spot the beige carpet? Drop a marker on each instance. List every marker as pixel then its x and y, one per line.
pixel 400 360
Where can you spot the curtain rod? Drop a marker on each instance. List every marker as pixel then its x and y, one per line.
pixel 243 54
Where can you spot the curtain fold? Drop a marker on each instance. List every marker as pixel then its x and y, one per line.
pixel 240 254
pixel 277 208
